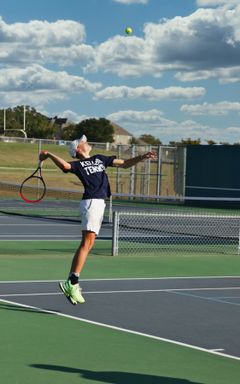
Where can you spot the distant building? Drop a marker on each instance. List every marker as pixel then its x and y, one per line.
pixel 62 122
pixel 121 136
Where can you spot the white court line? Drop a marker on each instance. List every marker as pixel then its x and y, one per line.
pixel 212 299
pixel 125 279
pixel 213 352
pixel 167 290
pixel 225 297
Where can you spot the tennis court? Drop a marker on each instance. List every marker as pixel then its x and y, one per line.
pixel 147 319
pixel 201 313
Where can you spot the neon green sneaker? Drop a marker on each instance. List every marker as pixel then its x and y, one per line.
pixel 72 292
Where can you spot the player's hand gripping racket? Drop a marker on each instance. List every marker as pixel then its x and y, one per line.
pixel 33 188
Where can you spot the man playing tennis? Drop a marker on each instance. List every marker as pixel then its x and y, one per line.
pixel 91 172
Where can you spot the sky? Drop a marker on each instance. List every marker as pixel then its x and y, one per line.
pixel 176 76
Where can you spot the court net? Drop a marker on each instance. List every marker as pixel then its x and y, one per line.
pixel 176 231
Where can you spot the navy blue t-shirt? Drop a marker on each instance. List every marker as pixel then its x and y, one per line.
pixel 91 172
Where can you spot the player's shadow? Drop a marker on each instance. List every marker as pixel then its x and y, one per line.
pixel 113 377
pixel 12 307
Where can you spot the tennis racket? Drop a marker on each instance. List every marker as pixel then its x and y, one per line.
pixel 33 188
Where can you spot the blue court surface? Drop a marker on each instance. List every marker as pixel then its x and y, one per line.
pixel 200 313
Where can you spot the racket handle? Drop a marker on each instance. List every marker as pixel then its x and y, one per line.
pixel 42 153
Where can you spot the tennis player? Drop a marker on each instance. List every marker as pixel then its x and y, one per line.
pixel 91 172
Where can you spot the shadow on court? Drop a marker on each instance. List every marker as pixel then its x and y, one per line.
pixel 115 377
pixel 17 308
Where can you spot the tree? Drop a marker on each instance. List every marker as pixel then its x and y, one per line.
pixel 37 125
pixel 187 141
pixel 211 142
pixel 149 139
pixel 69 132
pixel 97 130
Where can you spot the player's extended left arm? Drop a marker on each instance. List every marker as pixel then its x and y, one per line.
pixel 120 163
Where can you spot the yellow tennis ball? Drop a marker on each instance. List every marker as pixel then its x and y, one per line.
pixel 128 30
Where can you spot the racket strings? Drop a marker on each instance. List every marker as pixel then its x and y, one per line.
pixel 33 189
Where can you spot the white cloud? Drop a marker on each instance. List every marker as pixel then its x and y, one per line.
pixel 219 109
pixel 234 130
pixel 153 121
pixel 73 116
pixel 224 75
pixel 150 93
pixel 213 3
pixel 129 2
pixel 60 42
pixel 206 40
pixel 202 45
pixel 121 55
pixel 152 116
pixel 43 33
pixel 36 84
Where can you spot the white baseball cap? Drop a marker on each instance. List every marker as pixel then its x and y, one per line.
pixel 74 144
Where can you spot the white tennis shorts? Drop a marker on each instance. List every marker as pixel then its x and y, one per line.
pixel 92 212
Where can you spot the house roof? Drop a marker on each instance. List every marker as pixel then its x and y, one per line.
pixel 120 131
pixel 60 121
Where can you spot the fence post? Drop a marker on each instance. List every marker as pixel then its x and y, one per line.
pixel 159 170
pixel 118 177
pixel 239 241
pixel 147 173
pixel 110 212
pixel 115 233
pixel 132 173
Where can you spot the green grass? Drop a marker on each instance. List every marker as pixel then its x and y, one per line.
pixel 26 155
pixel 18 159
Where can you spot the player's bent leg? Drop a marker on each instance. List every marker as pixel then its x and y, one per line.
pixel 71 289
pixel 88 239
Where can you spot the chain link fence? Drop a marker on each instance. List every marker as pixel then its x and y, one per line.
pixel 164 176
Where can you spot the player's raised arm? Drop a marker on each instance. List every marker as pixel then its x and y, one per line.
pixel 120 163
pixel 60 163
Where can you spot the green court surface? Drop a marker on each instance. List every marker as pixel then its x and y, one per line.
pixel 42 348
pixel 36 260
